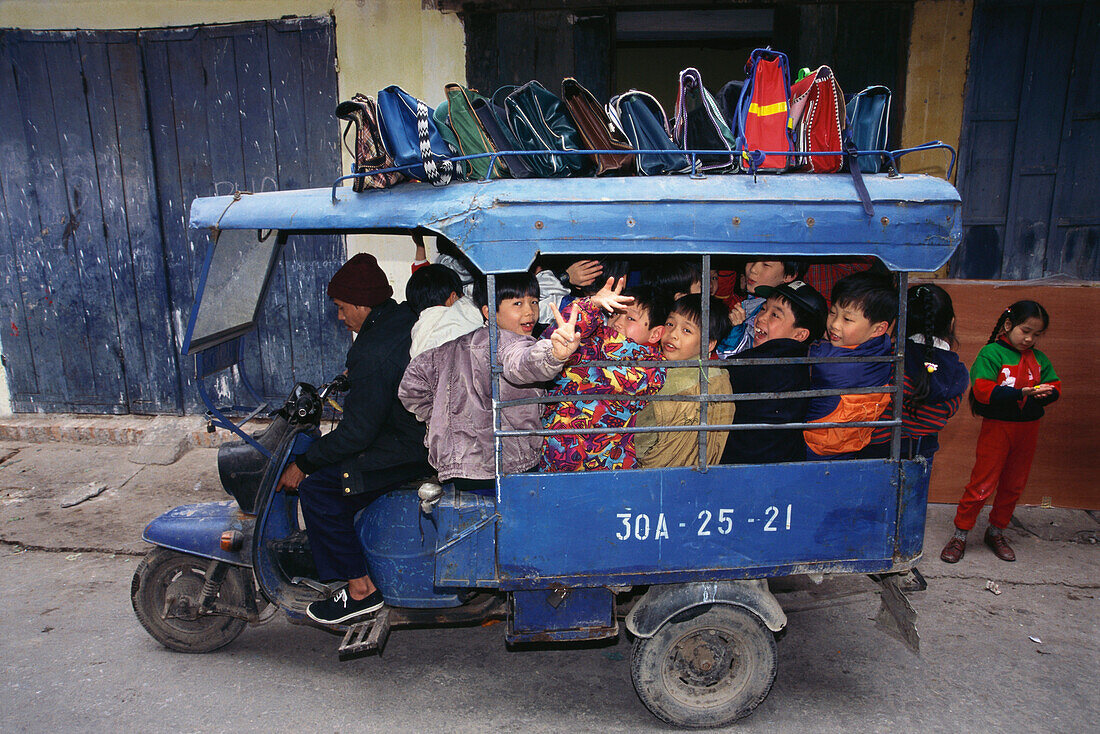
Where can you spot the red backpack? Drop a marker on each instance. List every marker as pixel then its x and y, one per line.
pixel 818 119
pixel 763 119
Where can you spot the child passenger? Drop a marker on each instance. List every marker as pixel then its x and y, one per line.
pixel 935 377
pixel 758 274
pixel 681 340
pixel 1011 383
pixel 790 321
pixel 631 335
pixel 449 387
pixel 435 293
pixel 678 277
pixel 864 305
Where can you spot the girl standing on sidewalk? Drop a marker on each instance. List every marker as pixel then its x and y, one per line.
pixel 1010 384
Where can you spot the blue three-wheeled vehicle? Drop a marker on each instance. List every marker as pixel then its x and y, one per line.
pixel 681 556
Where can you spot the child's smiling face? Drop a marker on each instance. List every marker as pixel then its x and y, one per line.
pixel 847 326
pixel 681 336
pixel 776 321
pixel 633 323
pixel 518 315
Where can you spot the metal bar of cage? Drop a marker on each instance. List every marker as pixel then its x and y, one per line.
pixel 494 156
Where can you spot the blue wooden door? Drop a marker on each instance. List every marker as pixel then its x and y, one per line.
pixel 1031 136
pixel 105 138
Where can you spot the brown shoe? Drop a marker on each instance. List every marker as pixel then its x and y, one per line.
pixel 953 551
pixel 999 546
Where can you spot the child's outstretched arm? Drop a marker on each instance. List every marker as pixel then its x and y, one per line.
pixel 610 298
pixel 525 362
pixel 565 340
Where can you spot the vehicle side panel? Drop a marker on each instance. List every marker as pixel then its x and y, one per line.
pixel 608 527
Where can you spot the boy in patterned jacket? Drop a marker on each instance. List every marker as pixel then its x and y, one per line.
pixel 634 333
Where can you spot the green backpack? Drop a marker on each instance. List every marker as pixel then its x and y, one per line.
pixel 461 128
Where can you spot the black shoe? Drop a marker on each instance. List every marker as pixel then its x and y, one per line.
pixel 342 608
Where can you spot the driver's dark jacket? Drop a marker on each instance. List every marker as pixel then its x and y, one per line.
pixel 377 443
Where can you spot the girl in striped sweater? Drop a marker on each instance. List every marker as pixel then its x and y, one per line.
pixel 1011 383
pixel 935 378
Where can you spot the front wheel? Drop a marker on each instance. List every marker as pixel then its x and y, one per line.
pixel 707 667
pixel 167 585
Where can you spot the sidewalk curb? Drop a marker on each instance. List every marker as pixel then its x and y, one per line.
pixel 112 430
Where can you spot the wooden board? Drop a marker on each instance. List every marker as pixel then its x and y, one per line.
pixel 1067 462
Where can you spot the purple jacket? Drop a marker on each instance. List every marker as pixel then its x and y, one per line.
pixel 449 389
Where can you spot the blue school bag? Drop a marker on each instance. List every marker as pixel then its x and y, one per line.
pixel 868 115
pixel 412 137
pixel 643 120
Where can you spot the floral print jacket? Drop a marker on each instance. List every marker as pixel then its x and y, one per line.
pixel 608 450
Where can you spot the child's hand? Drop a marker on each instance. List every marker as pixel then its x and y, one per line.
pixel 584 272
pixel 421 250
pixel 737 315
pixel 610 297
pixel 1039 391
pixel 565 340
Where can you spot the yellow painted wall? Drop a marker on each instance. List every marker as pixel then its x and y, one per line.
pixel 935 84
pixel 378 43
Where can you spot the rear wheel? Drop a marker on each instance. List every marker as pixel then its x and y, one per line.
pixel 707 667
pixel 165 592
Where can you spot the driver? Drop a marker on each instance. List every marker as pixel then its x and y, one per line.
pixel 375 448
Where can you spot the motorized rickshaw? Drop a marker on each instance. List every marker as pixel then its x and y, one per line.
pixel 688 551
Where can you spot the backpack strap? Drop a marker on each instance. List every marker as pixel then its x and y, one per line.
pixel 857 176
pixel 438 170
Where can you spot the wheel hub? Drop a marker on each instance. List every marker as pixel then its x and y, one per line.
pixel 703 659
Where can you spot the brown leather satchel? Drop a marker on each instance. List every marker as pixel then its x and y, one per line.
pixel 597 129
pixel 370 152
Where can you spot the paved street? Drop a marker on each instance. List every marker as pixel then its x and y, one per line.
pixel 76 658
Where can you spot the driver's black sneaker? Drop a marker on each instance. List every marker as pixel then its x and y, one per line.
pixel 342 608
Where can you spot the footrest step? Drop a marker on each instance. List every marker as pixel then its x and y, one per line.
pixel 366 637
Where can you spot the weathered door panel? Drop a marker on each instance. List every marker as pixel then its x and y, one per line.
pixel 105 138
pixel 1029 147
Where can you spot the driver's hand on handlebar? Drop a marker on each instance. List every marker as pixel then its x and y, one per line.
pixel 565 340
pixel 290 479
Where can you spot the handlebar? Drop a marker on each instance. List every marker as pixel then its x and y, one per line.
pixel 339 384
pixel 305 402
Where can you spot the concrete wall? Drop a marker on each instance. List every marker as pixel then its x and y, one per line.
pixel 935 84
pixel 378 42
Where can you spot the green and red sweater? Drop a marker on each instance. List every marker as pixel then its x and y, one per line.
pixel 998 377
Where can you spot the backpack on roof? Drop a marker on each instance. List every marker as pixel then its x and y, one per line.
pixel 413 137
pixel 598 130
pixel 370 153
pixel 467 134
pixel 645 124
pixel 818 118
pixel 763 114
pixel 540 122
pixel 492 121
pixel 699 124
pixel 869 125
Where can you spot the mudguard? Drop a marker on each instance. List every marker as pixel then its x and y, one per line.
pixel 662 603
pixel 197 530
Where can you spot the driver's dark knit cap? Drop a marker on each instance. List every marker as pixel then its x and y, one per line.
pixel 360 282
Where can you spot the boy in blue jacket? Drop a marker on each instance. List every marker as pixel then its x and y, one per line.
pixel 862 310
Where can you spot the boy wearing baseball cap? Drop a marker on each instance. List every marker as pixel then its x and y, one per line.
pixel 792 318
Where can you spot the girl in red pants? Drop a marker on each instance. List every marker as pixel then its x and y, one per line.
pixel 1010 383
